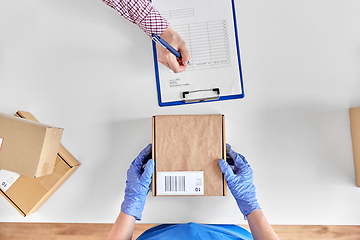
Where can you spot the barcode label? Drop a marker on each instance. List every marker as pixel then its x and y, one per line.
pixel 180 183
pixel 7 179
pixel 174 183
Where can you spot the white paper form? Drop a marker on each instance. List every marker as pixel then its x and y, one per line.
pixel 207 27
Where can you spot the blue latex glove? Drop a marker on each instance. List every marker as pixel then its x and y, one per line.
pixel 240 181
pixel 137 183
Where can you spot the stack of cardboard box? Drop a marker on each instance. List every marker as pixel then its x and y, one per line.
pixel 33 162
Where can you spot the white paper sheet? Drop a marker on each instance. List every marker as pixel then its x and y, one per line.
pixel 207 27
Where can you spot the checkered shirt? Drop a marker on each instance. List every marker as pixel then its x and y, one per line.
pixel 141 13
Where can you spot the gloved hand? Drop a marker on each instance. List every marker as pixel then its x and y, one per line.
pixel 240 181
pixel 137 183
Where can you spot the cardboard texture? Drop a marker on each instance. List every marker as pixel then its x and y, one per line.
pixel 28 148
pixel 190 143
pixel 355 135
pixel 28 194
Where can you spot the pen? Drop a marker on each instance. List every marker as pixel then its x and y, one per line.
pixel 164 44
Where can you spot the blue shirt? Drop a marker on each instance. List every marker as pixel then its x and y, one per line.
pixel 196 231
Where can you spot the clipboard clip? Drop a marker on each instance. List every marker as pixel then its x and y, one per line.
pixel 201 95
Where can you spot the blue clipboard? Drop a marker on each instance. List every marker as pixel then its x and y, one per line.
pixel 217 92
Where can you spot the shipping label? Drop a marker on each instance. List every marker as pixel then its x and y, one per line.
pixel 180 183
pixel 7 179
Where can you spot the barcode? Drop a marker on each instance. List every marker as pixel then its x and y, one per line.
pixel 174 183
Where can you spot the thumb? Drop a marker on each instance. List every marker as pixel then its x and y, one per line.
pixel 226 169
pixel 185 54
pixel 148 171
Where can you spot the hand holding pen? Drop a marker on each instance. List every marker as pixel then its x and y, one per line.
pixel 178 55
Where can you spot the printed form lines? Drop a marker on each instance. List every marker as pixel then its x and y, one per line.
pixel 208 44
pixel 181 13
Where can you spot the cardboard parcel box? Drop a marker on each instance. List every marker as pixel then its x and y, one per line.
pixel 186 151
pixel 27 194
pixel 355 136
pixel 27 147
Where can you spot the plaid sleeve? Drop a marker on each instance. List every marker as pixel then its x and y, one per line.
pixel 141 13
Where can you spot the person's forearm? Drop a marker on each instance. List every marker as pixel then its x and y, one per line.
pixel 260 227
pixel 141 13
pixel 123 227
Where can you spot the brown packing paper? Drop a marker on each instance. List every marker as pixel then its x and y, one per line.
pixel 191 143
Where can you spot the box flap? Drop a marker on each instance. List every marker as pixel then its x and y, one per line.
pixel 12 203
pixel 26 115
pixel 68 157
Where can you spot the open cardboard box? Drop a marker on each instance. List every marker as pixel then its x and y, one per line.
pixel 28 194
pixel 186 151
